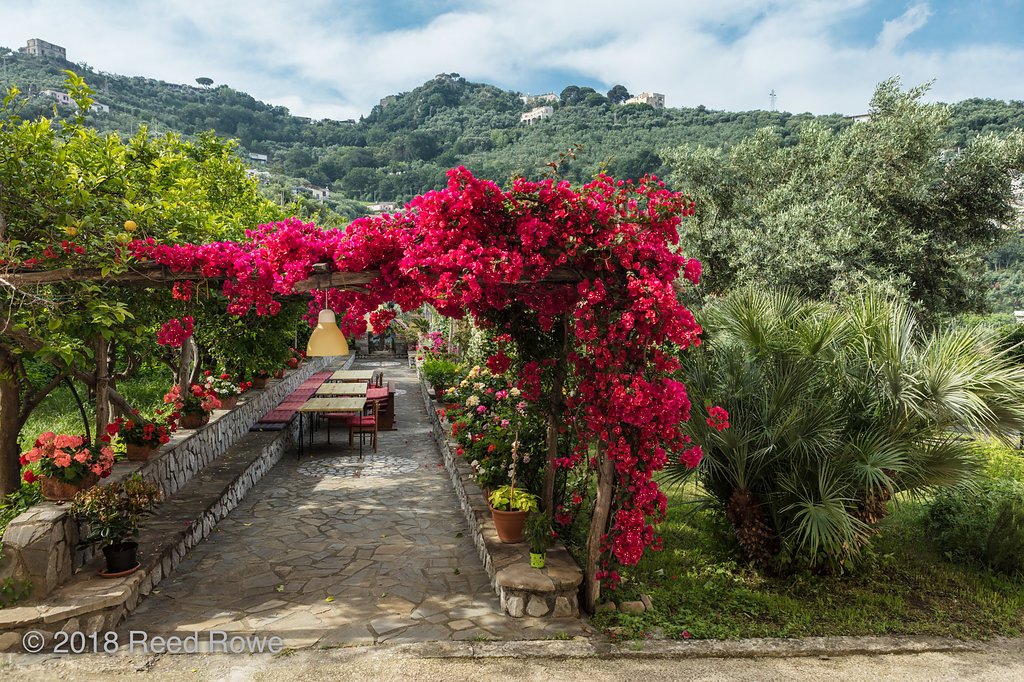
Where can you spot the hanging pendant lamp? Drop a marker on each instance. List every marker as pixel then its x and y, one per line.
pixel 327 338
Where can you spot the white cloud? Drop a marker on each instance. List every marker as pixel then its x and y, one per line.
pixel 320 59
pixel 895 31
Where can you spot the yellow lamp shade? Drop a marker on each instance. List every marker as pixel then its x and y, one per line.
pixel 327 338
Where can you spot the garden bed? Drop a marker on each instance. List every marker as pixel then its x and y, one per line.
pixel 524 591
pixel 700 588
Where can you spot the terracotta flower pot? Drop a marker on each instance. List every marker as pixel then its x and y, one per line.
pixel 438 392
pixel 57 490
pixel 193 421
pixel 509 525
pixel 229 403
pixel 279 374
pixel 139 453
pixel 260 382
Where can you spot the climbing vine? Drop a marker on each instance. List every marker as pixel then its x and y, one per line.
pixel 474 248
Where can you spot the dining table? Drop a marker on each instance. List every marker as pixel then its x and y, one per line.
pixel 352 375
pixel 329 405
pixel 341 388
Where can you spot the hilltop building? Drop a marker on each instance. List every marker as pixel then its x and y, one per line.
pixel 859 118
pixel 546 98
pixel 655 99
pixel 258 158
pixel 40 48
pixel 537 114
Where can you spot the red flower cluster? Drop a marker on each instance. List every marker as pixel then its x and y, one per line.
pixel 174 332
pixel 718 418
pixel 139 431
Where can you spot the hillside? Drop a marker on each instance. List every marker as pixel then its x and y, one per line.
pixel 404 145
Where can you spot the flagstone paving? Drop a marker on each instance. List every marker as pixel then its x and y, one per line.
pixel 333 552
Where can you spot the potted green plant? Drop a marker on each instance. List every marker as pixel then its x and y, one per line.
pixel 540 536
pixel 113 514
pixel 440 374
pixel 510 505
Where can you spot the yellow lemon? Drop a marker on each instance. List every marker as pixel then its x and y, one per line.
pixel 71 231
pixel 129 226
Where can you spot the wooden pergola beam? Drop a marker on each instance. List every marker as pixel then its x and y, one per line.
pixel 153 274
pixel 139 275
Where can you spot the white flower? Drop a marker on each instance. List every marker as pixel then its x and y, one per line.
pixel 479 385
pixel 472 401
pixel 515 392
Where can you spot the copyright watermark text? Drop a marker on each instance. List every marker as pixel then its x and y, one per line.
pixel 141 642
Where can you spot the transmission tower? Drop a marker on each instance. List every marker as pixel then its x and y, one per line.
pixel 771 99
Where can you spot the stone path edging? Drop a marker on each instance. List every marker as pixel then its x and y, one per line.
pixel 596 647
pixel 524 591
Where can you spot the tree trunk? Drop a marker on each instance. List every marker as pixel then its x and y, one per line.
pixel 555 408
pixel 102 386
pixel 598 526
pixel 186 365
pixel 10 426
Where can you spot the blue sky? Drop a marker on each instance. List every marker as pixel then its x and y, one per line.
pixel 337 58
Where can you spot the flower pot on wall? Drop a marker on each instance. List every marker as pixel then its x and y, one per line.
pixel 260 382
pixel 122 559
pixel 138 453
pixel 58 490
pixel 279 374
pixel 193 420
pixel 229 403
pixel 509 525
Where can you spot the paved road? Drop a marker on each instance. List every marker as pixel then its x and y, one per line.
pixel 386 663
pixel 331 551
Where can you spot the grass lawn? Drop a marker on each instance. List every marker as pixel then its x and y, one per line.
pixel 59 412
pixel 698 584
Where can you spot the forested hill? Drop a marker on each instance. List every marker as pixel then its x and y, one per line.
pixel 404 145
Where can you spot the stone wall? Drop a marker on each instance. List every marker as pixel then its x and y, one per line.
pixel 524 591
pixel 88 604
pixel 40 545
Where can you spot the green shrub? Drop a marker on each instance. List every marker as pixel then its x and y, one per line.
pixel 981 524
pixel 834 410
pixel 1002 461
pixel 440 373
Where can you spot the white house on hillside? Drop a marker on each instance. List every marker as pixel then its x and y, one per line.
pixel 537 114
pixel 655 99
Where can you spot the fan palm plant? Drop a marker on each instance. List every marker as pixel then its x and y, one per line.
pixel 834 409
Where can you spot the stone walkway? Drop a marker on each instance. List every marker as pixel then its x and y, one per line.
pixel 333 552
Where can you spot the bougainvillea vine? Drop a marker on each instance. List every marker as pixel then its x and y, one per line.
pixel 473 248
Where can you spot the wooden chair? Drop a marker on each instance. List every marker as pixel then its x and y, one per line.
pixel 364 424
